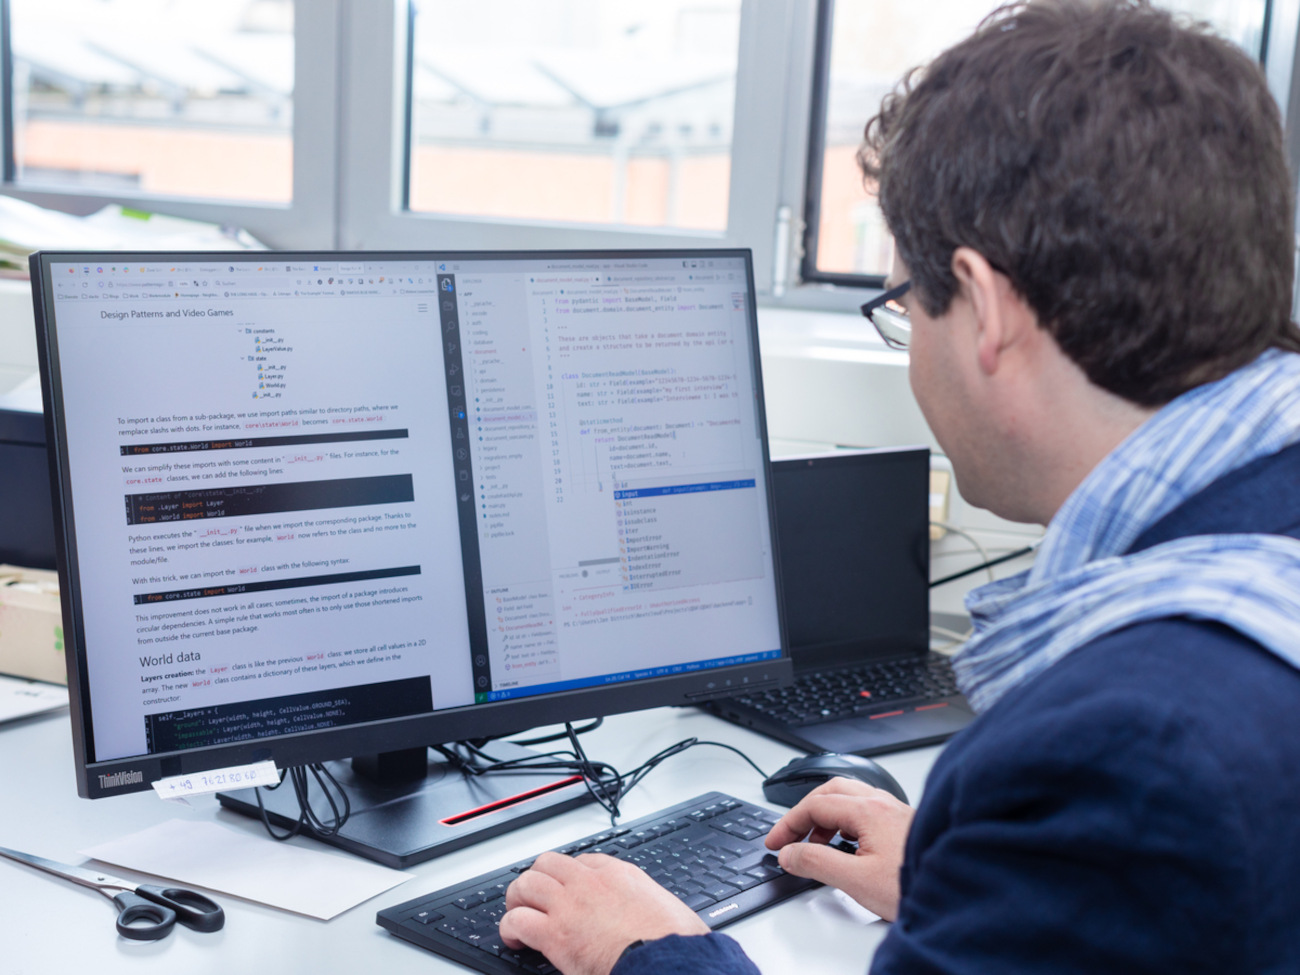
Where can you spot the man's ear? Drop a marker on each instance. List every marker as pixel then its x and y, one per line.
pixel 987 292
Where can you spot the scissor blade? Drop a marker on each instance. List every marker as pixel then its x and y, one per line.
pixel 78 875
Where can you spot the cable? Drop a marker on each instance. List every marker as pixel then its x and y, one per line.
pixel 984 553
pixel 558 736
pixel 988 563
pixel 952 553
pixel 605 783
pixel 473 760
pixel 307 817
pixel 613 784
pixel 646 767
pixel 956 639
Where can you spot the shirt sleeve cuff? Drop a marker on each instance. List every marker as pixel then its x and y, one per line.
pixel 699 954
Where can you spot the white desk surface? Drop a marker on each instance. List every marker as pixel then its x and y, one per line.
pixel 51 926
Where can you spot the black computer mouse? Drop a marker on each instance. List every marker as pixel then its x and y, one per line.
pixel 799 777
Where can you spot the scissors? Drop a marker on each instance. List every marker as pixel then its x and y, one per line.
pixel 146 912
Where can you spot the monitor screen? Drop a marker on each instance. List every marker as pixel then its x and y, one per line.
pixel 318 505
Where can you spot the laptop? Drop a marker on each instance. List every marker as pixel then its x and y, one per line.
pixel 853 547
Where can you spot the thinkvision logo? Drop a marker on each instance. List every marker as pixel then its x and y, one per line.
pixel 119 779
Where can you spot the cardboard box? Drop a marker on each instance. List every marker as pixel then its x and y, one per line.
pixel 31 625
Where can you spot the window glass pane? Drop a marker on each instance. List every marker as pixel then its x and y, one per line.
pixel 160 97
pixel 873 43
pixel 1241 21
pixel 588 111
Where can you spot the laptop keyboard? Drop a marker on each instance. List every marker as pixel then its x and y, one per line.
pixel 708 851
pixel 833 694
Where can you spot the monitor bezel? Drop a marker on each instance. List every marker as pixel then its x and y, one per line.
pixel 98 779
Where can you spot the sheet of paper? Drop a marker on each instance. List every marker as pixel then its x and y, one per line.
pixel 256 868
pixel 19 698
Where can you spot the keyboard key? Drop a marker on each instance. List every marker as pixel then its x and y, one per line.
pixel 764 871
pixel 720 890
pixel 733 846
pixel 449 927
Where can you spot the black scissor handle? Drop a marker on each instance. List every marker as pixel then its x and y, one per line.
pixel 191 908
pixel 132 910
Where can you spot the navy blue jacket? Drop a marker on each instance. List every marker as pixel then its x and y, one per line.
pixel 1134 808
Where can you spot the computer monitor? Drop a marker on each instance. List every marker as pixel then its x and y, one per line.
pixel 321 505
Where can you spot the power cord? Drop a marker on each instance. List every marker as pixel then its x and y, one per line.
pixel 988 563
pixel 955 639
pixel 297 777
pixel 606 784
pixel 979 547
pixel 626 783
pixel 559 735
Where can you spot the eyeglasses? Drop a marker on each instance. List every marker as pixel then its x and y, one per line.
pixel 890 318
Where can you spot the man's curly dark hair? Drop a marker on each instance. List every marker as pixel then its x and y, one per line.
pixel 1123 169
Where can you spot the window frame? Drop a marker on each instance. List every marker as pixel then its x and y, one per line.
pixel 1278 54
pixel 307 221
pixel 819 103
pixel 350 169
pixel 374 159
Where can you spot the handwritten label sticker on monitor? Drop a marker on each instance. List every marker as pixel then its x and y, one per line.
pixel 181 787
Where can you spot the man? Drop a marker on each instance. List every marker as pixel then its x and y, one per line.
pixel 1093 210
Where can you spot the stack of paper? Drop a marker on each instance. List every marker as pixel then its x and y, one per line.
pixel 22 698
pixel 25 227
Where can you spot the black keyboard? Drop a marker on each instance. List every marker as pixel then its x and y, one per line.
pixel 708 851
pixel 842 692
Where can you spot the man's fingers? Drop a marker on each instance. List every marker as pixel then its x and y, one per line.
pixel 582 911
pixel 533 888
pixel 555 865
pixel 818 862
pixel 600 861
pixel 829 812
pixel 521 926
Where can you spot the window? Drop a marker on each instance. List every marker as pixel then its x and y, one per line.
pixel 495 124
pixel 864 48
pixel 152 97
pixel 575 111
pixel 224 111
pixel 565 123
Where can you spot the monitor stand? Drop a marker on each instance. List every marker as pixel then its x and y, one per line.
pixel 401 817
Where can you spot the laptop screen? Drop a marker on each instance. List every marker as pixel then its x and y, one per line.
pixel 853 531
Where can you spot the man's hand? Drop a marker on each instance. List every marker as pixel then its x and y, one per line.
pixel 581 912
pixel 872 817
